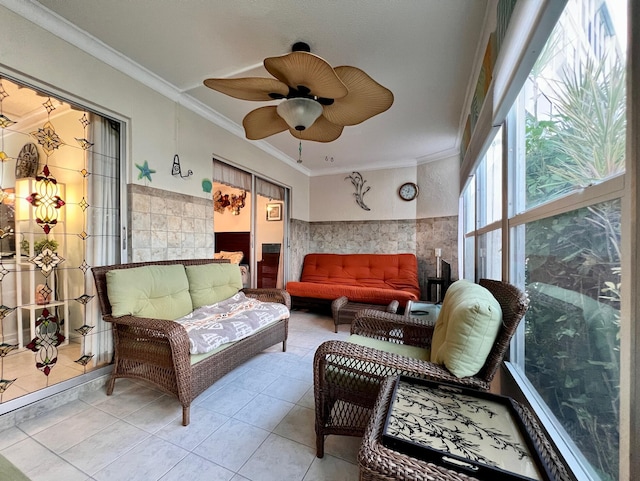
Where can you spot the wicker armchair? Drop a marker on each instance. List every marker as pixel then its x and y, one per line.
pixel 347 376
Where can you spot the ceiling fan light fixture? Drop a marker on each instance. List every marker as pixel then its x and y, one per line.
pixel 299 113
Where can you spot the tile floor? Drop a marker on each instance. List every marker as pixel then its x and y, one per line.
pixel 256 423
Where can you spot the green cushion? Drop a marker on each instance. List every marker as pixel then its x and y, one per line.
pixel 466 329
pixel 159 292
pixel 361 374
pixel 211 283
pixel 392 347
pixel 9 471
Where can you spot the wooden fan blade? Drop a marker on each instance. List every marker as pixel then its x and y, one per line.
pixel 263 122
pixel 251 88
pixel 306 69
pixel 365 99
pixel 321 131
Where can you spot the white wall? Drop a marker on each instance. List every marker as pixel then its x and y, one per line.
pixel 439 188
pixel 332 196
pixel 27 51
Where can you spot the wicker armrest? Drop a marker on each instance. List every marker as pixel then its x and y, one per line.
pixel 345 360
pixel 386 326
pixel 269 295
pixel 147 333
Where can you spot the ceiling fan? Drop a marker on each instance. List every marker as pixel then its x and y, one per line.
pixel 318 100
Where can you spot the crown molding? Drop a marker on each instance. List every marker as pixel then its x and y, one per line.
pixel 67 31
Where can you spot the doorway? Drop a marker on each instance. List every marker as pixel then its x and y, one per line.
pixel 250 218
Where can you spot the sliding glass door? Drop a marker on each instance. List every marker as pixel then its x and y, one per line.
pixel 249 220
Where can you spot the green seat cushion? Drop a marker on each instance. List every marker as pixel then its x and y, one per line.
pixel 364 376
pixel 155 291
pixel 391 347
pixel 466 328
pixel 211 283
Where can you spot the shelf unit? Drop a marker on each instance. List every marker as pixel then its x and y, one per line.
pixel 29 275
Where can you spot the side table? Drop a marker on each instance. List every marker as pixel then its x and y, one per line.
pixel 379 463
pixel 343 310
pixel 425 311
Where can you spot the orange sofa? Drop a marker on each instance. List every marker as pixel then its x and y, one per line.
pixel 367 278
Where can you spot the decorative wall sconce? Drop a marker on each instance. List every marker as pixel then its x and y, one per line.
pixel 176 169
pixel 358 182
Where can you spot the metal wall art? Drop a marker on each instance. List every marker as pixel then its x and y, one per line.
pixel 176 169
pixel 358 182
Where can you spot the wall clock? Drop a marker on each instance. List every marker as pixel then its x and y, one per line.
pixel 408 191
pixel 27 163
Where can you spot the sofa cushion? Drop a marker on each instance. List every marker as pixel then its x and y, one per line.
pixel 369 295
pixel 155 291
pixel 211 283
pixel 466 328
pixel 381 271
pixel 234 257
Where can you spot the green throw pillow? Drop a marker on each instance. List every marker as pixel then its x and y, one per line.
pixel 211 283
pixel 158 292
pixel 466 329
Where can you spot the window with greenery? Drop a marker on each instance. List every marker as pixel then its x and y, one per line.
pixel 566 177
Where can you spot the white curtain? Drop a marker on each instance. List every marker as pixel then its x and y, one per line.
pixel 267 189
pixel 103 216
pixel 227 175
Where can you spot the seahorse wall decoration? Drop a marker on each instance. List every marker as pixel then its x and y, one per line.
pixel 358 182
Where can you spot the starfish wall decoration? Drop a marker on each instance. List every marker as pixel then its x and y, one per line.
pixel 145 171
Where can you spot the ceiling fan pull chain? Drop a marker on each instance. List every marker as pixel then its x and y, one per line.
pixel 300 153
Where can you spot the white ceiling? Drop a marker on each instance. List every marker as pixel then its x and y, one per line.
pixel 424 51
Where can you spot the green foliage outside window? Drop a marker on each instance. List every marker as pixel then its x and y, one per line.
pixel 573 262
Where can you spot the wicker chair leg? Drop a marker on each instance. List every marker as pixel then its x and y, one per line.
pixel 185 415
pixel 319 445
pixel 110 385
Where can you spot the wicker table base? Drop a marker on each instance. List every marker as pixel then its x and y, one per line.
pixel 344 311
pixel 379 463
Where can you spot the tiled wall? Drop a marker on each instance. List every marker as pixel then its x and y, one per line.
pixel 168 225
pixel 421 237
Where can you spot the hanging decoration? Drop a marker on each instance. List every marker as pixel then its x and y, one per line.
pixel 46 342
pixel 47 137
pixel 207 185
pixel 47 260
pixel 145 171
pixel 300 152
pixel 46 201
pixel 85 298
pixel 358 182
pixel 84 330
pixel 5 349
pixel 83 142
pixel 177 170
pixel 232 202
pixel 4 123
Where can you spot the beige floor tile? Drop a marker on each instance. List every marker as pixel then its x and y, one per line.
pixel 232 444
pixel 330 468
pixel 278 458
pixel 254 424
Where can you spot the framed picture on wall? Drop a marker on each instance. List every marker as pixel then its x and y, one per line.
pixel 274 211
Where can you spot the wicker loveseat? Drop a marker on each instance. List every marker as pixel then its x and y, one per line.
pixel 158 350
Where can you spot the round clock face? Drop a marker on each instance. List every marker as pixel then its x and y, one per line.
pixel 408 191
pixel 27 163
